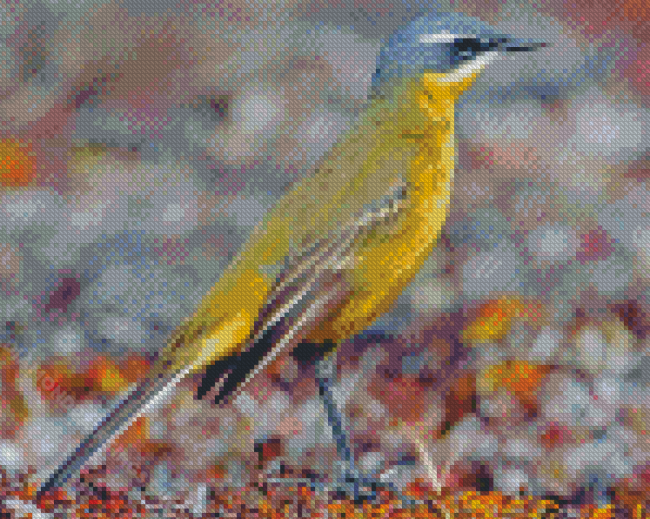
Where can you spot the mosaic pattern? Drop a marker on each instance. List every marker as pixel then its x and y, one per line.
pixel 141 143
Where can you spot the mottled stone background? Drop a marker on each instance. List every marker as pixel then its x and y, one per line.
pixel 142 141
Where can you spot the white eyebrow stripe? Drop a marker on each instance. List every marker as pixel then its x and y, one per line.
pixel 444 37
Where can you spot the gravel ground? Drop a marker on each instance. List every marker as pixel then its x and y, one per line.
pixel 158 135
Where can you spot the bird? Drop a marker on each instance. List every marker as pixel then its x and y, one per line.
pixel 337 250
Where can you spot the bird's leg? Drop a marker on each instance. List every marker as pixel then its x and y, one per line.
pixel 350 481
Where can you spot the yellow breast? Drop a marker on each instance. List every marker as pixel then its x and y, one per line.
pixel 389 259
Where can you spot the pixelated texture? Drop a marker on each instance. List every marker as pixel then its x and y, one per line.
pixel 142 142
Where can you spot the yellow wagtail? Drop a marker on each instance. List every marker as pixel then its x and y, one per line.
pixel 345 241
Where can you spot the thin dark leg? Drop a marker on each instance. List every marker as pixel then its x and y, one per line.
pixel 351 482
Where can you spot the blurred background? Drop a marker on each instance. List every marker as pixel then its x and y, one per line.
pixel 141 142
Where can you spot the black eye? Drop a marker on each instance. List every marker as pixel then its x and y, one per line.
pixel 467 48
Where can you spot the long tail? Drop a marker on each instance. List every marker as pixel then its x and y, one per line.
pixel 301 300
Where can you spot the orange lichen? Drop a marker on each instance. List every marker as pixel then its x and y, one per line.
pixel 8 365
pixel 133 368
pixel 135 434
pixel 520 378
pixel 495 319
pixel 13 406
pixel 215 472
pixel 635 503
pixel 56 379
pixel 52 500
pixel 636 10
pixel 17 163
pixel 106 376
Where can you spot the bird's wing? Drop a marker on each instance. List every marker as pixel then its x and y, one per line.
pixel 304 295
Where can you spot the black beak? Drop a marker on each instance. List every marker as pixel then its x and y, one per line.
pixel 521 45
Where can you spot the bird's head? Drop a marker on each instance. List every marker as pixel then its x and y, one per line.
pixel 446 51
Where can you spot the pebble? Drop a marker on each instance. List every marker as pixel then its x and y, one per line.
pixel 546 345
pixel 608 349
pixel 566 401
pixel 553 243
pixel 511 481
pixel 12 458
pixel 198 499
pixel 492 271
